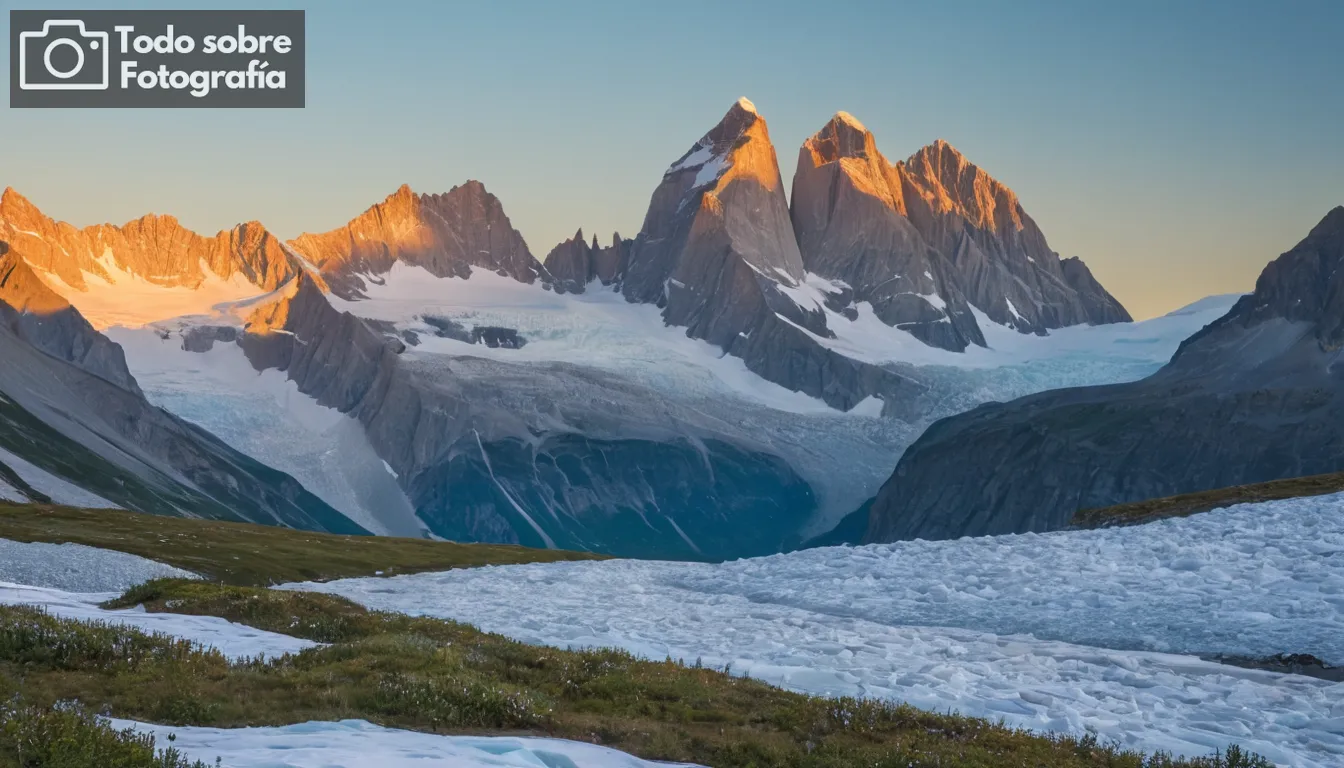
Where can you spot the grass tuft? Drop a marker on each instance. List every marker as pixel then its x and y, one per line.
pixel 66 736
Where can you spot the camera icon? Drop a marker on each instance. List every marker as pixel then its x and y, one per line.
pixel 64 56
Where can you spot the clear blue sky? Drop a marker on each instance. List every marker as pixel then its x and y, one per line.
pixel 1175 146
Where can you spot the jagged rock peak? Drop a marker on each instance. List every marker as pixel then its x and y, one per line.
pixel 952 183
pixel 575 263
pixel 156 248
pixel 738 146
pixel 447 234
pixel 843 136
pixel 849 120
pixel 852 225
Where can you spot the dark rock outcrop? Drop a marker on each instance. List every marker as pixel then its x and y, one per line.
pixel 202 338
pixel 1257 395
pixel 575 263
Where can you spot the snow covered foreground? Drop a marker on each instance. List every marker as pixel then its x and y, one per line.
pixel 347 744
pixel 357 744
pixel 71 580
pixel 1072 631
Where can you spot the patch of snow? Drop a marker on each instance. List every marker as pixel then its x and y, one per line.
pixel 710 171
pixel 1079 632
pixel 390 471
pixel 870 406
pixel 934 300
pixel 77 568
pixel 1013 309
pixel 746 104
pixel 233 640
pixel 853 121
pixel 10 493
pixel 1149 342
pixel 60 490
pixel 698 156
pixel 358 744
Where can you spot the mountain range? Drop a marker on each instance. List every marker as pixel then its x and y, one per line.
pixel 737 376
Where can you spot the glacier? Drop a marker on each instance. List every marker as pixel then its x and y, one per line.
pixel 575 342
pixel 263 415
pixel 1105 632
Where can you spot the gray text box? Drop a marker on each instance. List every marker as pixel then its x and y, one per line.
pixel 219 59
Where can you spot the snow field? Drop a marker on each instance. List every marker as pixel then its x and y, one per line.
pixel 77 568
pixel 233 640
pixel 358 744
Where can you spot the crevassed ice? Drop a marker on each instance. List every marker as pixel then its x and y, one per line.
pixel 1080 632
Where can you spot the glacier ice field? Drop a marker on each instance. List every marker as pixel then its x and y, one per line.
pixel 1097 632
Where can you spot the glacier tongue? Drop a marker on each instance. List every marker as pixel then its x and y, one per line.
pixel 265 416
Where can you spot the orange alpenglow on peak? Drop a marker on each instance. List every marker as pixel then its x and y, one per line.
pixel 846 117
pixel 447 234
pixel 949 182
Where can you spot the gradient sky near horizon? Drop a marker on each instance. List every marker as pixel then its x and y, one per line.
pixel 1176 146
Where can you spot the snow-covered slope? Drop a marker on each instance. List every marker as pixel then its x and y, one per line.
pixel 1090 631
pixel 77 568
pixel 263 415
pixel 357 744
